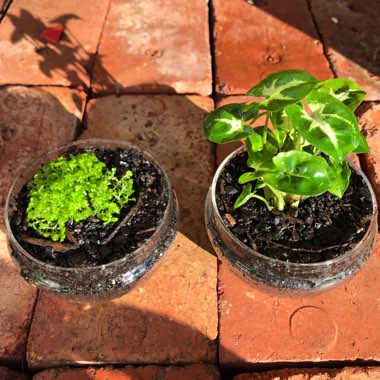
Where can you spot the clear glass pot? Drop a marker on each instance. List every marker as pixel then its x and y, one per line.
pixel 280 276
pixel 93 283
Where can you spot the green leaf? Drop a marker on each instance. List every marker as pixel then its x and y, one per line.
pixel 332 127
pixel 250 112
pixel 283 88
pixel 363 146
pixel 345 90
pixel 226 124
pixel 299 173
pixel 339 177
pixel 246 195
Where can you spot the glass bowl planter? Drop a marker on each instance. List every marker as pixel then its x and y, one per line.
pixel 98 282
pixel 282 276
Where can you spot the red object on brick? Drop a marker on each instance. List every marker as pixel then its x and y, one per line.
pixel 350 31
pixel 189 372
pixel 253 41
pixel 348 373
pixel 52 34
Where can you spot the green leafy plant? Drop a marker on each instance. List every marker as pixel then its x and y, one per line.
pixel 304 153
pixel 73 189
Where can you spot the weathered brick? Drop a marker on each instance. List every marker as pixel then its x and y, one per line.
pixel 349 373
pixel 348 28
pixel 170 317
pixel 335 325
pixel 32 120
pixel 252 41
pixel 27 58
pixel 370 124
pixel 189 372
pixel 144 50
pixel 10 374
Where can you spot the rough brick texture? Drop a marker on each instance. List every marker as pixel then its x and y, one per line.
pixel 252 41
pixel 354 373
pixel 190 372
pixel 144 50
pixel 28 58
pixel 10 374
pixel 32 120
pixel 370 124
pixel 334 325
pixel 348 28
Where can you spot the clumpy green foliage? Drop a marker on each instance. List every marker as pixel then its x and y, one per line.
pixel 304 153
pixel 73 189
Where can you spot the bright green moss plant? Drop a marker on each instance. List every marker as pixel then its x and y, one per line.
pixel 304 154
pixel 74 188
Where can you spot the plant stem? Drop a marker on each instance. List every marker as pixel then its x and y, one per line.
pixel 266 127
pixel 298 142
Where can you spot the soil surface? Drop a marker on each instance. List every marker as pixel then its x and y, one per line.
pixel 145 215
pixel 321 228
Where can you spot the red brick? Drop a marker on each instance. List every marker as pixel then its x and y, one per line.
pixel 189 372
pixel 31 121
pixel 370 124
pixel 349 373
pixel 169 127
pixel 9 374
pixel 352 41
pixel 252 41
pixel 144 50
pixel 170 317
pixel 335 325
pixel 27 58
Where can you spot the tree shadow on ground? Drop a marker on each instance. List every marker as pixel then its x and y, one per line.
pixel 60 55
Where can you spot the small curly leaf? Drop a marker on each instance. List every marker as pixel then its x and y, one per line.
pixel 332 127
pixel 226 124
pixel 299 173
pixel 345 90
pixel 283 88
pixel 246 195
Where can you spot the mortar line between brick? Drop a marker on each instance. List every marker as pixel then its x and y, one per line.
pixel 5 9
pixel 97 48
pixel 320 36
pixel 30 329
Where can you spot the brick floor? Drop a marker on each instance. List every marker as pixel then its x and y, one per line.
pixel 252 41
pixel 354 373
pixel 31 120
pixel 163 48
pixel 189 372
pixel 27 58
pixel 144 50
pixel 347 28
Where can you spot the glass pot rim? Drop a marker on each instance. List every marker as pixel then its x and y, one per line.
pixel 288 264
pixel 58 151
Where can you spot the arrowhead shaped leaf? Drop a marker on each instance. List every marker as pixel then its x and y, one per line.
pixel 283 88
pixel 299 173
pixel 363 146
pixel 226 124
pixel 339 175
pixel 332 127
pixel 345 90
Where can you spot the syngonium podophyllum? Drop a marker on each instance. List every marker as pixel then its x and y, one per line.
pixel 304 153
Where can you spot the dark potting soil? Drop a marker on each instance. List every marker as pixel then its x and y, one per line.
pixel 151 195
pixel 321 228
